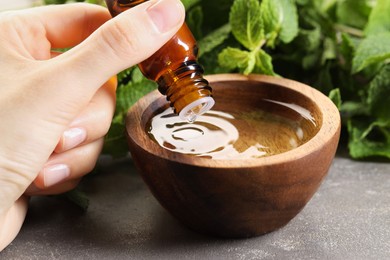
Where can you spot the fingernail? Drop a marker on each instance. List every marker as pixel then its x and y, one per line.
pixel 166 14
pixel 55 174
pixel 73 137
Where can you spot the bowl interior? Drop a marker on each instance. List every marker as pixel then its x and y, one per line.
pixel 239 94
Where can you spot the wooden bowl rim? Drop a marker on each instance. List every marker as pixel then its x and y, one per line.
pixel 331 124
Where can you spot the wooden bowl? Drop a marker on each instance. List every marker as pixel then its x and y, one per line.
pixel 237 198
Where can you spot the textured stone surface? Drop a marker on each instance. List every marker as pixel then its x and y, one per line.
pixel 348 218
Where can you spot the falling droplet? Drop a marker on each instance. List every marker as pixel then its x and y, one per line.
pixel 191 116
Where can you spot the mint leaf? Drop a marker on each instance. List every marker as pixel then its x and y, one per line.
pixel 232 58
pixel 137 76
pixel 325 5
pixel 310 38
pixel 280 19
pixel 115 141
pixel 330 52
pixel 246 23
pixel 189 3
pixel 214 39
pixel 373 49
pixel 368 139
pixel 129 93
pixel 347 50
pixel 289 29
pixel 251 62
pixel 379 20
pixel 335 96
pixel 54 2
pixel 351 109
pixel 272 18
pixel 212 65
pixel 264 63
pixel 79 198
pixel 379 94
pixel 353 13
pixel 194 20
pixel 247 62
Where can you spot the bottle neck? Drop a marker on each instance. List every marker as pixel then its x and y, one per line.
pixel 185 85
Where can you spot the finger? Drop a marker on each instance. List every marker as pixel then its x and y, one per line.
pixel 122 42
pixel 70 165
pixel 53 190
pixel 68 25
pixel 94 122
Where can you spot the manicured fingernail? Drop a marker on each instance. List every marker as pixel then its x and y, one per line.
pixel 73 137
pixel 54 174
pixel 166 14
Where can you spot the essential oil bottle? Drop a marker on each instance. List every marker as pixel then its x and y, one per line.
pixel 175 69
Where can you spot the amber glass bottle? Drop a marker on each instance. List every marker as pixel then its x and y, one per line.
pixel 174 67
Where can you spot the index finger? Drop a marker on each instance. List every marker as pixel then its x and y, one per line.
pixel 69 24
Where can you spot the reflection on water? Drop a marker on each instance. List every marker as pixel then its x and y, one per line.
pixel 221 135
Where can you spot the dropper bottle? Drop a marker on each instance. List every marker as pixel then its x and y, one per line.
pixel 175 69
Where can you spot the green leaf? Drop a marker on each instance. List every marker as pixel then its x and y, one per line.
pixel 249 67
pixel 210 61
pixel 194 20
pixel 246 23
pixel 330 52
pixel 310 38
pixel 214 39
pixel 324 79
pixel 347 50
pixel 311 60
pixel 325 5
pixel 353 12
pixel 125 76
pixel 351 109
pixel 137 76
pixel 79 198
pixel 368 139
pixel 128 94
pixel 54 2
pixel 189 3
pixel 115 141
pixel 280 19
pixel 379 94
pixel 272 18
pixel 373 49
pixel 335 96
pixel 264 63
pixel 379 20
pixel 290 26
pixel 232 58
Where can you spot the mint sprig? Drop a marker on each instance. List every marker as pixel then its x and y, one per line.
pixel 256 25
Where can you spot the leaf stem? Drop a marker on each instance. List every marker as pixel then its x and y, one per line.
pixel 349 30
pixel 261 44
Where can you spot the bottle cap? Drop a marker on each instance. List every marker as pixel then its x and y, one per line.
pixel 196 108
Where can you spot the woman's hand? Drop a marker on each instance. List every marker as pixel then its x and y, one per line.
pixel 55 109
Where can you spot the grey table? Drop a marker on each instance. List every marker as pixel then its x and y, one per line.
pixel 348 218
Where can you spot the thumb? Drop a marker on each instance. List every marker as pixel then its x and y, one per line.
pixel 123 41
